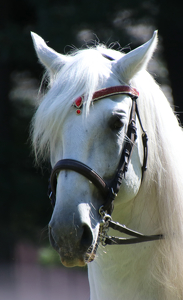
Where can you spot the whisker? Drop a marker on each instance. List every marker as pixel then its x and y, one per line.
pixel 44 233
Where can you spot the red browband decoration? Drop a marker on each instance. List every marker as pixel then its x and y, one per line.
pixel 103 93
pixel 78 104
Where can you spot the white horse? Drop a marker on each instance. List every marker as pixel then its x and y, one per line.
pixel 69 126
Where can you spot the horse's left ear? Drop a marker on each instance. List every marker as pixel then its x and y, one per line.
pixel 136 60
pixel 50 59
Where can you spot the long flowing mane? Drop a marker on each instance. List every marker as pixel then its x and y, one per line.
pixel 163 182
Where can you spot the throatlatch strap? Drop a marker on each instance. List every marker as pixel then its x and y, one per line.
pixel 137 236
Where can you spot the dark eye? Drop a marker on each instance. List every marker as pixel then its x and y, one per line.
pixel 116 123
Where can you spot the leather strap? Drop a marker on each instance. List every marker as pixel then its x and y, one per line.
pixel 137 236
pixel 124 160
pixel 79 167
pixel 112 240
pixel 115 90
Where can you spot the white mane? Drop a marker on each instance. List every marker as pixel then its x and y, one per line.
pixel 164 178
pixel 81 76
pixel 163 182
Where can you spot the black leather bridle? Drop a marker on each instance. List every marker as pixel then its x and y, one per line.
pixel 109 192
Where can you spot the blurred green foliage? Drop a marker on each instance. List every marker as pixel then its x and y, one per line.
pixel 48 256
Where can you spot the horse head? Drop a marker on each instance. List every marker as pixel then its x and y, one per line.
pixel 69 124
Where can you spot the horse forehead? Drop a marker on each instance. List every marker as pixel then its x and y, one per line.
pixel 99 114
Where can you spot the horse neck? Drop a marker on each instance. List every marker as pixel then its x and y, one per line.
pixel 124 272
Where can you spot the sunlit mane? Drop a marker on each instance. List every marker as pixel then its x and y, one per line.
pixel 81 76
pixel 164 182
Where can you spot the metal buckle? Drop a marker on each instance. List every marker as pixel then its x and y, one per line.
pixel 112 191
pixel 104 225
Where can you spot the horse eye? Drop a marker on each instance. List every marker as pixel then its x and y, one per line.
pixel 116 123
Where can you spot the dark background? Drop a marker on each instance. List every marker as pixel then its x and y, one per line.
pixel 24 207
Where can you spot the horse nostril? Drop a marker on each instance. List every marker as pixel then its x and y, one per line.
pixel 87 237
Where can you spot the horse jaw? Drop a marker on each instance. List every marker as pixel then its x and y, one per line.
pixel 136 60
pixel 50 59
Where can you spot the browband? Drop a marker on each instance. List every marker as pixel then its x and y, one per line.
pixel 115 90
pixel 107 92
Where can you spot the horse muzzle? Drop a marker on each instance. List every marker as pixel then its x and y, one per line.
pixel 74 245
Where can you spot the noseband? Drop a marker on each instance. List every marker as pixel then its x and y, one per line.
pixel 109 192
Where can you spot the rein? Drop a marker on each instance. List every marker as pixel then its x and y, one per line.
pixel 109 192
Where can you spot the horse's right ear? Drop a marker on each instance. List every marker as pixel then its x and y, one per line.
pixel 51 60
